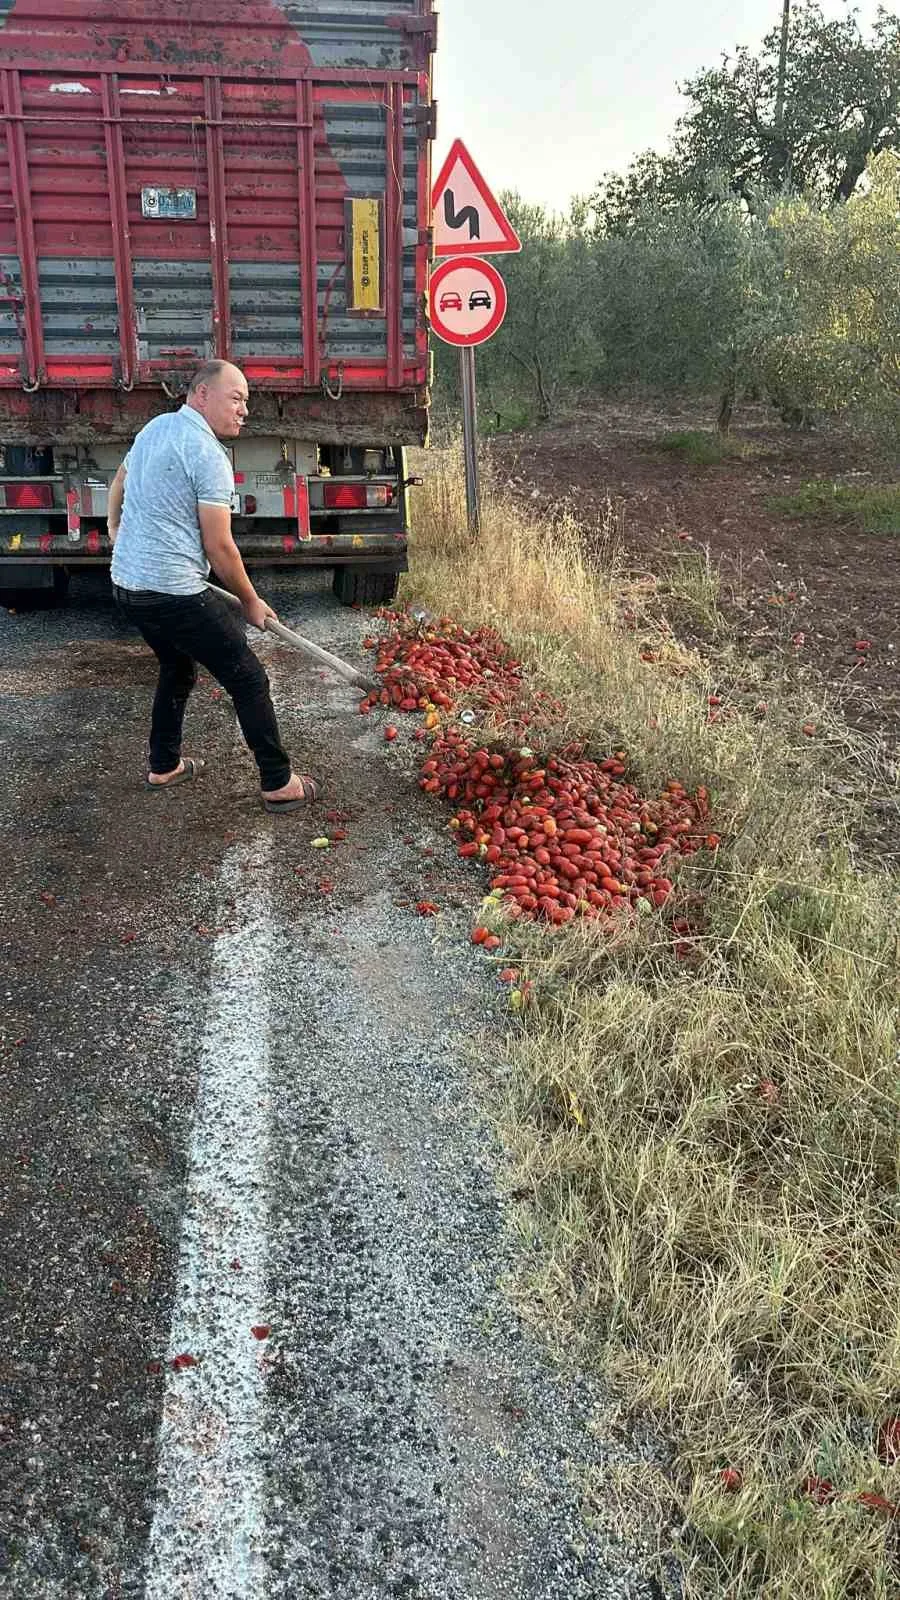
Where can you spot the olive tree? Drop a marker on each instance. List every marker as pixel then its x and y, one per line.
pixel 843 268
pixel 543 348
pixel 802 115
pixel 690 300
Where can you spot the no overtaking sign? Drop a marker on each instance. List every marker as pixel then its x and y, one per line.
pixel 468 301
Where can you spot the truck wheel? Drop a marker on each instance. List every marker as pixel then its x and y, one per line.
pixel 357 586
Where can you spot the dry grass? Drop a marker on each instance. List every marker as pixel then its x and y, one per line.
pixel 711 1143
pixel 694 583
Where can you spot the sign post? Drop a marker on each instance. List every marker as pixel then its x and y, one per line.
pixel 470 436
pixel 468 295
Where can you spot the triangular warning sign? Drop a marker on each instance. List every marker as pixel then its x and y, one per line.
pixel 467 219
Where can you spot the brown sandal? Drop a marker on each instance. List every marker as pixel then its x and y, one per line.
pixel 193 767
pixel 310 793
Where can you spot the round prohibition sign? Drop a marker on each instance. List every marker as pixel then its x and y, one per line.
pixel 467 300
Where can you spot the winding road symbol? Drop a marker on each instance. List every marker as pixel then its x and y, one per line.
pixel 458 219
pixel 468 220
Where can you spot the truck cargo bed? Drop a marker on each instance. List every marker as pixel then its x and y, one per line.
pixel 220 179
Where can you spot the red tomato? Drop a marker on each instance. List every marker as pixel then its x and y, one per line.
pixel 820 1490
pixel 877 1502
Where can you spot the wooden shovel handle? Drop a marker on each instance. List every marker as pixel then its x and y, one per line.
pixel 297 641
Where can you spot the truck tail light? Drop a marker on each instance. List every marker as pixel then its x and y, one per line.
pixel 356 496
pixel 345 496
pixel 28 496
pixel 250 505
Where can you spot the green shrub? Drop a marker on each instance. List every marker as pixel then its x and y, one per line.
pixel 874 509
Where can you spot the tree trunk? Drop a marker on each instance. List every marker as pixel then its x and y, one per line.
pixel 726 407
pixel 854 167
pixel 533 368
pixel 729 392
pixel 543 397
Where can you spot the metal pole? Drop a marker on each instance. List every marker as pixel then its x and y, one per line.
pixel 470 435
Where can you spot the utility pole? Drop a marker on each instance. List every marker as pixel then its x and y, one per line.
pixel 781 155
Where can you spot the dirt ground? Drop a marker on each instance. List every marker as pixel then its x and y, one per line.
pixel 779 577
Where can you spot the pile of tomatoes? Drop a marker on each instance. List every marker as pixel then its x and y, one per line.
pixel 422 668
pixel 565 836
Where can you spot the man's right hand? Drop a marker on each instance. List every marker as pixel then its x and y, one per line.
pixel 256 611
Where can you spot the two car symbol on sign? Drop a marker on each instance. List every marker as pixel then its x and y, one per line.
pixel 479 298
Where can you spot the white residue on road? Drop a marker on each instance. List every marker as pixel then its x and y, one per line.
pixel 206 1538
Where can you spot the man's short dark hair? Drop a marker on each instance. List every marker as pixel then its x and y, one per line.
pixel 208 373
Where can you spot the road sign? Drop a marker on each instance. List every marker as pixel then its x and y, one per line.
pixel 467 219
pixel 467 301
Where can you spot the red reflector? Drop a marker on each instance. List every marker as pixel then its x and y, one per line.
pixel 29 496
pixel 250 505
pixel 345 496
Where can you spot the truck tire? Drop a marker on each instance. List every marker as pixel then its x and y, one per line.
pixel 357 586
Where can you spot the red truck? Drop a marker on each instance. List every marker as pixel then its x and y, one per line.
pixel 185 179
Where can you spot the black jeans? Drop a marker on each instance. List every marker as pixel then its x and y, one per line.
pixel 185 629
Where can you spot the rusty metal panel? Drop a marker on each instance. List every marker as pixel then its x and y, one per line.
pixel 185 192
pixel 259 36
pixel 173 310
pixel 78 300
pixel 266 318
pixel 338 34
pixel 12 302
pixel 103 416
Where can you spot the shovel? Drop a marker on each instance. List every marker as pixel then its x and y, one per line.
pixel 297 642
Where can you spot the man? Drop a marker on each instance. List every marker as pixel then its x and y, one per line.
pixel 169 514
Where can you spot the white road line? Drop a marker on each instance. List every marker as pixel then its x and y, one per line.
pixel 206 1537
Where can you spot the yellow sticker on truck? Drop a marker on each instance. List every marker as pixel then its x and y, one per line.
pixel 364 229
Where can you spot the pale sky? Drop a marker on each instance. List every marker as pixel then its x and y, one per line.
pixel 549 96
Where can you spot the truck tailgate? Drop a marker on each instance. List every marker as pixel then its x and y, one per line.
pixel 240 180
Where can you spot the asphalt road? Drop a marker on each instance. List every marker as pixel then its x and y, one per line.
pixel 239 1126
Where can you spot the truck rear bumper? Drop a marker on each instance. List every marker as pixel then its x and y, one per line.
pixel 257 550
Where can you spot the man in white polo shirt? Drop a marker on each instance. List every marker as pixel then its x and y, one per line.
pixel 169 516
